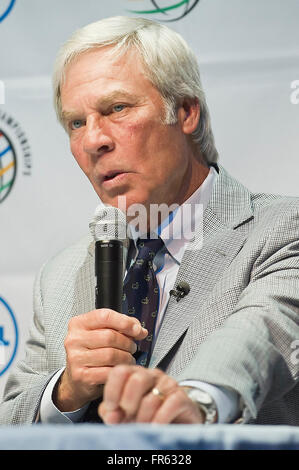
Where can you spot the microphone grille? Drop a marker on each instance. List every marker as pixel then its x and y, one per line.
pixel 109 223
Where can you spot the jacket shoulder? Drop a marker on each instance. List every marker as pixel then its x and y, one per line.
pixel 70 258
pixel 275 208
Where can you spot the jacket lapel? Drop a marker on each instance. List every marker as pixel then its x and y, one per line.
pixel 224 233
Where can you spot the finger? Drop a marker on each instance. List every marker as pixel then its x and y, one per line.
pixel 151 403
pixel 166 384
pixel 110 417
pixel 92 376
pixel 106 338
pixel 106 318
pixel 139 384
pixel 148 407
pixel 104 357
pixel 177 408
pixel 114 386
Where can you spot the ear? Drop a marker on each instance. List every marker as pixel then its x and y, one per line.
pixel 188 115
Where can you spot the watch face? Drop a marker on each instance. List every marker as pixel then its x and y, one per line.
pixel 203 397
pixel 205 403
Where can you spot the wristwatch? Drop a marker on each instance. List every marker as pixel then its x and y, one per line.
pixel 205 403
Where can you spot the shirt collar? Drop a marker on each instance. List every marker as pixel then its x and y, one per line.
pixel 177 229
pixel 186 218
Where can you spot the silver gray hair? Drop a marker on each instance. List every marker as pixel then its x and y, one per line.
pixel 168 61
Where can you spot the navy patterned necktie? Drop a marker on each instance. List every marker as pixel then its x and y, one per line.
pixel 141 294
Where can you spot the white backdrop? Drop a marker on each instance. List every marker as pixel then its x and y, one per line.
pixel 248 54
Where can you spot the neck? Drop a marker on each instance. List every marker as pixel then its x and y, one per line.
pixel 195 174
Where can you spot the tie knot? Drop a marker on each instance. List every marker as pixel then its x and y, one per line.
pixel 149 247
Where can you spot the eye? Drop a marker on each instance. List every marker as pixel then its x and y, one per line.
pixel 76 124
pixel 118 107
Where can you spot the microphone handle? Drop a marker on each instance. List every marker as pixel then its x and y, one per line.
pixel 109 274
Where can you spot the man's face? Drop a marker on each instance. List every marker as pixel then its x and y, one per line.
pixel 114 117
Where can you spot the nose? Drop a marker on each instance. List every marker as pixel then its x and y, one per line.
pixel 96 139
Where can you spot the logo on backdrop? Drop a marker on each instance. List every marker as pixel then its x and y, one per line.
pixel 5 8
pixel 8 336
pixel 13 146
pixel 169 10
pixel 8 165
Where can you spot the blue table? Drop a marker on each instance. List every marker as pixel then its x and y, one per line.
pixel 145 436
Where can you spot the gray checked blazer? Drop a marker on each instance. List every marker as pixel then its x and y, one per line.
pixel 236 328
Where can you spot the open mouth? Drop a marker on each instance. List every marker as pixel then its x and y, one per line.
pixel 112 175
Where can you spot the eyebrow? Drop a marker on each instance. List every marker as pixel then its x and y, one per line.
pixel 116 95
pixel 102 102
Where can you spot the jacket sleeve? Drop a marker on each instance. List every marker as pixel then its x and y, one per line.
pixel 253 351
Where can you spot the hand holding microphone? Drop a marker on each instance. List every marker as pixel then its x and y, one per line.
pixel 102 338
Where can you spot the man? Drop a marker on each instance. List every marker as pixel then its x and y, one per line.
pixel 128 93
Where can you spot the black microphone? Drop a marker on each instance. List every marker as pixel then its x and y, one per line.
pixel 181 290
pixel 109 230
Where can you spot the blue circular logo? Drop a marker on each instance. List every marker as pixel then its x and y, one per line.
pixel 8 6
pixel 9 336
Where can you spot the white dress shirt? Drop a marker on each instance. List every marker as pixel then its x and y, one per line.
pixel 176 232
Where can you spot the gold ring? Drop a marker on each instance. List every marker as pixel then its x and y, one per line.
pixel 157 393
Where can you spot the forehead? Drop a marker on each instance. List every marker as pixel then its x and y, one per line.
pixel 106 70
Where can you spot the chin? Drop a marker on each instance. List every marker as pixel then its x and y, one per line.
pixel 125 201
